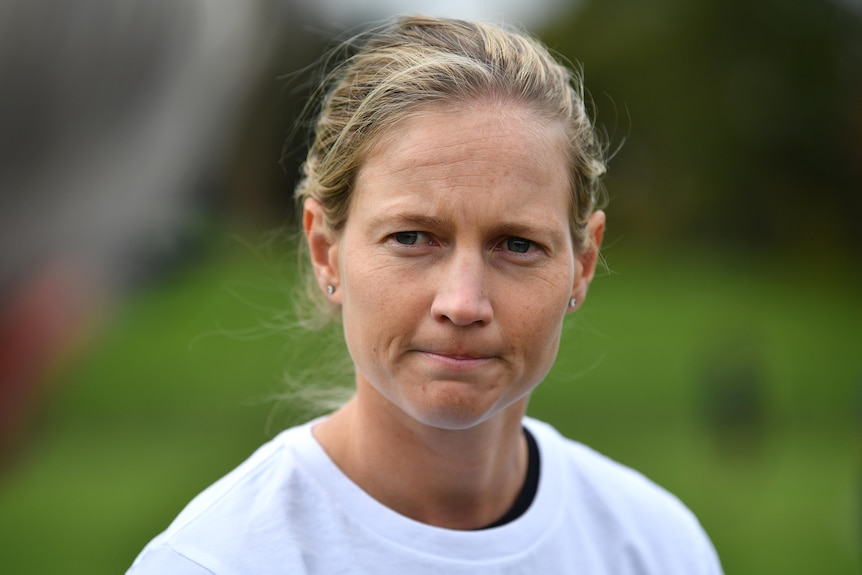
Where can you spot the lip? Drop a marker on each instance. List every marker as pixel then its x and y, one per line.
pixel 456 361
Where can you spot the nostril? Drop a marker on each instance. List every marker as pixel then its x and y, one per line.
pixel 462 309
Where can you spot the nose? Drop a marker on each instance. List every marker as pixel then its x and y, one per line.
pixel 462 292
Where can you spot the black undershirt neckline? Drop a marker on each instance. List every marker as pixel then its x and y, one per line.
pixel 528 491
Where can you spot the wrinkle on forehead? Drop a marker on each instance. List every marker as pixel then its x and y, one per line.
pixel 478 136
pixel 513 116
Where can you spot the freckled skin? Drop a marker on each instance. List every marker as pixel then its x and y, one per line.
pixel 456 327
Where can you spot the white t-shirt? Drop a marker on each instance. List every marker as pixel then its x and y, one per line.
pixel 288 509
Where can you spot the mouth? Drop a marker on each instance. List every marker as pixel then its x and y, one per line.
pixel 457 360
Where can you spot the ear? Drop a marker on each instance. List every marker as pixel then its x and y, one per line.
pixel 587 260
pixel 322 247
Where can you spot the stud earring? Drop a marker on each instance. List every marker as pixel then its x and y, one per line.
pixel 573 302
pixel 330 289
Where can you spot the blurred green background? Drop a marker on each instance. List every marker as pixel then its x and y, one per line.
pixel 718 353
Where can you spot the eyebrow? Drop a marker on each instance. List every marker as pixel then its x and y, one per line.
pixel 410 219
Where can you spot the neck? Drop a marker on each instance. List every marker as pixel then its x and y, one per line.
pixel 457 479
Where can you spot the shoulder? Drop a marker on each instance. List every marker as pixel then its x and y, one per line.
pixel 161 558
pixel 621 507
pixel 235 520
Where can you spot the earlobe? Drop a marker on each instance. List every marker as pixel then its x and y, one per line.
pixel 322 248
pixel 587 260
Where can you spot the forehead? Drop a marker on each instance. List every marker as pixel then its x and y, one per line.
pixel 486 116
pixel 476 158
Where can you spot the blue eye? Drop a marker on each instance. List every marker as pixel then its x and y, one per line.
pixel 406 238
pixel 518 245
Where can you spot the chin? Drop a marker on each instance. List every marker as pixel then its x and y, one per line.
pixel 457 413
pixel 451 421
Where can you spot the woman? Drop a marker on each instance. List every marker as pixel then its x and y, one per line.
pixel 449 210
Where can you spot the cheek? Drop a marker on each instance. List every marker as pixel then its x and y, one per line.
pixel 361 307
pixel 544 339
pixel 377 289
pixel 378 307
pixel 538 326
pixel 542 352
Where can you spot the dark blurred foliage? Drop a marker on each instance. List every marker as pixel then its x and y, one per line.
pixel 740 119
pixel 260 182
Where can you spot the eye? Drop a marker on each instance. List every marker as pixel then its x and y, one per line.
pixel 518 245
pixel 411 242
pixel 406 238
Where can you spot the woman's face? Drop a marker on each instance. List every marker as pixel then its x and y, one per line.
pixel 455 268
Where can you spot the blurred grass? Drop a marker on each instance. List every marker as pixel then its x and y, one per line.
pixel 162 405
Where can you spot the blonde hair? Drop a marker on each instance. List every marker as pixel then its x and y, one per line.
pixel 416 62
